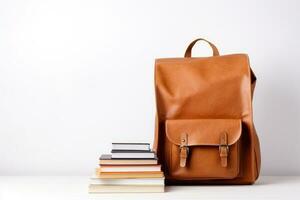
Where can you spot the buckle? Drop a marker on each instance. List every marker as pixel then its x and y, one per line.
pixel 187 148
pixel 224 145
pixel 184 150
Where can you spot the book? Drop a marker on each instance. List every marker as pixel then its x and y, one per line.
pixel 128 181
pixel 132 154
pixel 118 175
pixel 106 159
pixel 98 188
pixel 131 146
pixel 133 168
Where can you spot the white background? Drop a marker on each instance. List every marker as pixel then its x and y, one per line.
pixel 78 75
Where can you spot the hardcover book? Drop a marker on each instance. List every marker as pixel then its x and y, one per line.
pixel 131 146
pixel 132 154
pixel 95 188
pixel 118 175
pixel 133 168
pixel 128 181
pixel 106 159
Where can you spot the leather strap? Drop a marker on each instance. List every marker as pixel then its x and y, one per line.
pixel 224 149
pixel 188 51
pixel 184 150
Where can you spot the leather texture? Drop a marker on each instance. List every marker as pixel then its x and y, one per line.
pixel 204 131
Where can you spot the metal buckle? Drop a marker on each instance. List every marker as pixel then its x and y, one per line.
pixel 187 148
pixel 224 145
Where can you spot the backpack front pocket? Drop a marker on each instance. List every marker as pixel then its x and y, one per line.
pixel 203 148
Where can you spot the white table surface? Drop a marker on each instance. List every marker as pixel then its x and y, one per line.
pixel 75 187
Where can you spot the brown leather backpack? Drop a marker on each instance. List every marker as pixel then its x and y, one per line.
pixel 204 125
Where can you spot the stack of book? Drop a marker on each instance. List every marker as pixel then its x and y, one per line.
pixel 131 167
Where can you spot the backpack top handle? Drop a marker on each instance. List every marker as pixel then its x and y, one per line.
pixel 188 52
